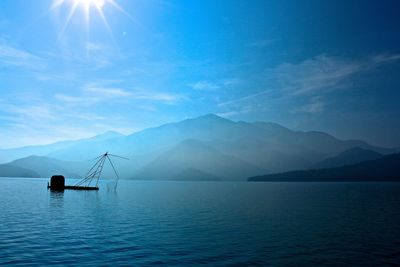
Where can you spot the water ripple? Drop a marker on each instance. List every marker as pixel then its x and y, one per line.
pixel 184 224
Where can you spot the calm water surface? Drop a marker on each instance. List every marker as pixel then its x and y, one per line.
pixel 194 223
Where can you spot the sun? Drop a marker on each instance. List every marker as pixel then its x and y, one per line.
pixel 71 7
pixel 84 4
pixel 96 3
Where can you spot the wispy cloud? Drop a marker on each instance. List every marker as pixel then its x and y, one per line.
pixel 246 104
pixel 74 100
pixel 204 85
pixel 316 105
pixel 99 54
pixel 107 93
pixel 230 114
pixel 157 96
pixel 324 73
pixel 95 47
pixel 13 56
pixel 315 74
pixel 310 79
pixel 41 122
pixel 385 58
pixel 92 94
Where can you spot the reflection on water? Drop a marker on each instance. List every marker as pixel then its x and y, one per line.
pixel 112 186
pixel 56 198
pixel 178 223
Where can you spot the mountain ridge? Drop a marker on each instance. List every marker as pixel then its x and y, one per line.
pixel 8 170
pixel 7 155
pixel 348 157
pixel 265 146
pixel 193 154
pixel 45 166
pixel 385 168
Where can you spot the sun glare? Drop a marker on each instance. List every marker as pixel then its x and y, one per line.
pixel 88 3
pixel 72 6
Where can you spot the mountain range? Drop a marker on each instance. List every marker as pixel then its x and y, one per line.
pixel 204 148
pixel 8 170
pixel 386 168
pixel 348 157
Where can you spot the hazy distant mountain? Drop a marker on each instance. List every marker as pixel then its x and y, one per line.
pixel 87 149
pixel 46 167
pixel 267 145
pixel 190 157
pixel 7 170
pixel 386 168
pixel 67 148
pixel 348 157
pixel 242 146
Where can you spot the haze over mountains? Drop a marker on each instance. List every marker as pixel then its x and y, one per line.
pixel 348 157
pixel 204 148
pixel 8 170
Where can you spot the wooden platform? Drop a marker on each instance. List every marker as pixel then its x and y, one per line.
pixel 73 187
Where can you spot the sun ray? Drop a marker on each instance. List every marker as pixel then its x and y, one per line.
pixel 115 4
pixel 87 14
pixel 56 4
pixel 87 6
pixel 87 27
pixel 106 24
pixel 70 14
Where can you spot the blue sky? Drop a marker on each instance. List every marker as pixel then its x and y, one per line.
pixel 309 65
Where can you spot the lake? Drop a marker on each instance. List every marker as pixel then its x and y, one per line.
pixel 193 223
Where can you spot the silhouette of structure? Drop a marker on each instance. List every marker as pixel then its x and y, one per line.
pixel 57 183
pixel 91 180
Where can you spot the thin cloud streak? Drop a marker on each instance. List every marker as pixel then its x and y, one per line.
pixel 204 85
pixel 93 94
pixel 107 93
pixel 12 56
pixel 44 123
pixel 316 105
pixel 314 75
pixel 311 78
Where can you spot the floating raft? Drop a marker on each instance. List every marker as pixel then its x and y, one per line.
pixel 57 183
pixel 77 187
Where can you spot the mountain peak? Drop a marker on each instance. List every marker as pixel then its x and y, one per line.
pixel 211 117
